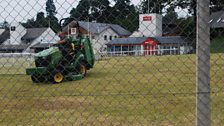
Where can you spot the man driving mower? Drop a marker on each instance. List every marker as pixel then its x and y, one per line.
pixel 66 48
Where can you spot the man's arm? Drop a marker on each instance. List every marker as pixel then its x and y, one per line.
pixel 61 41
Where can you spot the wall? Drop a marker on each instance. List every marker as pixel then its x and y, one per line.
pixel 15 36
pixel 47 37
pixel 1 31
pixel 150 47
pixel 150 25
pixel 99 42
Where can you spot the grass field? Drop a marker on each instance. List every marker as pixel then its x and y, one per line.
pixel 153 90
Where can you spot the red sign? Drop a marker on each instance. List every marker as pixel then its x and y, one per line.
pixel 149 42
pixel 147 18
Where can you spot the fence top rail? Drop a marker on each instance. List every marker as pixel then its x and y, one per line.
pixel 16 54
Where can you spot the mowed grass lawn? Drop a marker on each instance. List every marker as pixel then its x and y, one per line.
pixel 152 90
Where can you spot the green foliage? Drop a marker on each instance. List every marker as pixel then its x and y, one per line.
pixel 81 12
pixel 217 5
pixel 153 6
pixel 53 23
pixel 51 19
pixel 122 13
pixel 187 28
pixel 171 12
pixel 38 23
pixel 50 8
pixel 31 23
pixel 171 15
pixel 217 45
pixel 125 14
pixel 191 5
pixel 90 10
pixel 41 20
pixel 98 9
pixel 5 25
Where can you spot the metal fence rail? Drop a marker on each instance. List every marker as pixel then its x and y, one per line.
pixel 144 52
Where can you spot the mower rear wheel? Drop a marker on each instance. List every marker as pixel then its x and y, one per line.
pixel 82 69
pixel 58 77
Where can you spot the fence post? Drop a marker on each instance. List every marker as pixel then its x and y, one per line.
pixel 203 110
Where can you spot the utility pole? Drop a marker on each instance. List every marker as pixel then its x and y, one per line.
pixel 148 6
pixel 203 100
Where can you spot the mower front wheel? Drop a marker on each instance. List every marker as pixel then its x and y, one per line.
pixel 57 77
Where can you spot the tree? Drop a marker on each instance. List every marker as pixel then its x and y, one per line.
pixel 92 10
pixel 217 5
pixel 122 13
pixel 51 19
pixel 170 21
pixel 53 23
pixel 171 15
pixel 187 28
pixel 99 10
pixel 50 8
pixel 81 12
pixel 5 25
pixel 30 23
pixel 125 14
pixel 47 22
pixel 41 20
pixel 40 16
pixel 154 6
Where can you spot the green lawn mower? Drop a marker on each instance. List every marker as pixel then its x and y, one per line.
pixel 53 66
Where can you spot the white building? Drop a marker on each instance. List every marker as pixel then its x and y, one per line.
pixel 99 33
pixel 162 45
pixel 39 36
pixel 149 40
pixel 1 31
pixel 150 25
pixel 17 31
pixel 21 38
pixel 4 35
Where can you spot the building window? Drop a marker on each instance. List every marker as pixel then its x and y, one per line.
pixel 93 37
pixel 13 28
pixel 222 20
pixel 110 37
pixel 115 36
pixel 219 20
pixel 211 21
pixel 105 37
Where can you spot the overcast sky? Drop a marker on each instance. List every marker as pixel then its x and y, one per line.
pixel 21 10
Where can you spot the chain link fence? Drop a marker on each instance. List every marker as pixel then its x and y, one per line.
pixel 112 62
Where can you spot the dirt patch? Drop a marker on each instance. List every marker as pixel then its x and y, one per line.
pixel 58 103
pixel 52 103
